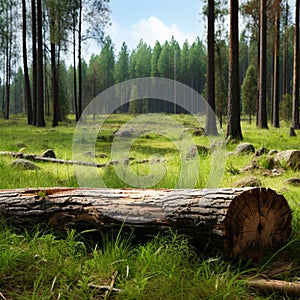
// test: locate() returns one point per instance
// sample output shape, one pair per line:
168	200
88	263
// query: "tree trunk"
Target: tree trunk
262	110
40	122
54	80
285	53
74	70
275	115
34	62
8	49
79	63
245	223
25	65
234	108
211	127
295	113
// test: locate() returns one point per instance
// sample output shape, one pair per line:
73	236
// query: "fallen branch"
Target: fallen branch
108	292
275	286
34	157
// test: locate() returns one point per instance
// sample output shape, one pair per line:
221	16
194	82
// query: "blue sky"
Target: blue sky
155	20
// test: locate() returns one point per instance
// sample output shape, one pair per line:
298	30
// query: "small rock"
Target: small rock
124	133
102	155
20	145
202	150
245	148
49	153
293	181
290	158
261	151
102	138
248	182
273	152
193	151
199	132
24	164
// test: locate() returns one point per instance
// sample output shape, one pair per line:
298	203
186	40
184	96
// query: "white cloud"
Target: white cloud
150	30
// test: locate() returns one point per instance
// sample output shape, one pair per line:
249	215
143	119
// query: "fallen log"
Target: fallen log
243	222
35	157
269	286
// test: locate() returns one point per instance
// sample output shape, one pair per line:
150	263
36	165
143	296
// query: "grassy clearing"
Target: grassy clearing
43	265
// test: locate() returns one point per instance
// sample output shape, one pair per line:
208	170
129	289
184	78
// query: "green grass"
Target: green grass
39	265
45	265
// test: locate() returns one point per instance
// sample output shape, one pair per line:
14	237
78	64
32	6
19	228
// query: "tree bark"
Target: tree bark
285	52
262	109
275	115
269	286
34	62
40	122
25	65
54	80
245	223
234	107
295	112
79	62
74	63
211	127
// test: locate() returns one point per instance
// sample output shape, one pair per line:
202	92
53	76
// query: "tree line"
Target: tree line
254	72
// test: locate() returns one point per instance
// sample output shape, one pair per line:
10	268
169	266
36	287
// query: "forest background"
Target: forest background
255	69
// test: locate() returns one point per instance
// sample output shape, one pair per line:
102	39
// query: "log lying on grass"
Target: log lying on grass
269	286
35	157
243	222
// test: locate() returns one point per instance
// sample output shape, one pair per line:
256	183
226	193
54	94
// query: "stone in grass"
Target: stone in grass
273	152
20	145
293	181
289	158
23	164
244	148
247	182
203	150
49	153
261	151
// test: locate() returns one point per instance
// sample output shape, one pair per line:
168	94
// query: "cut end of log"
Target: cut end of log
258	221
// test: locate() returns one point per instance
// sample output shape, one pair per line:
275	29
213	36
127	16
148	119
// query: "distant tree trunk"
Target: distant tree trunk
221	86
8	55
79	63
295	113
54	86
7	78
285	54
34	63
275	115
234	111
25	65
258	76
74	63
210	127
262	111
40	84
